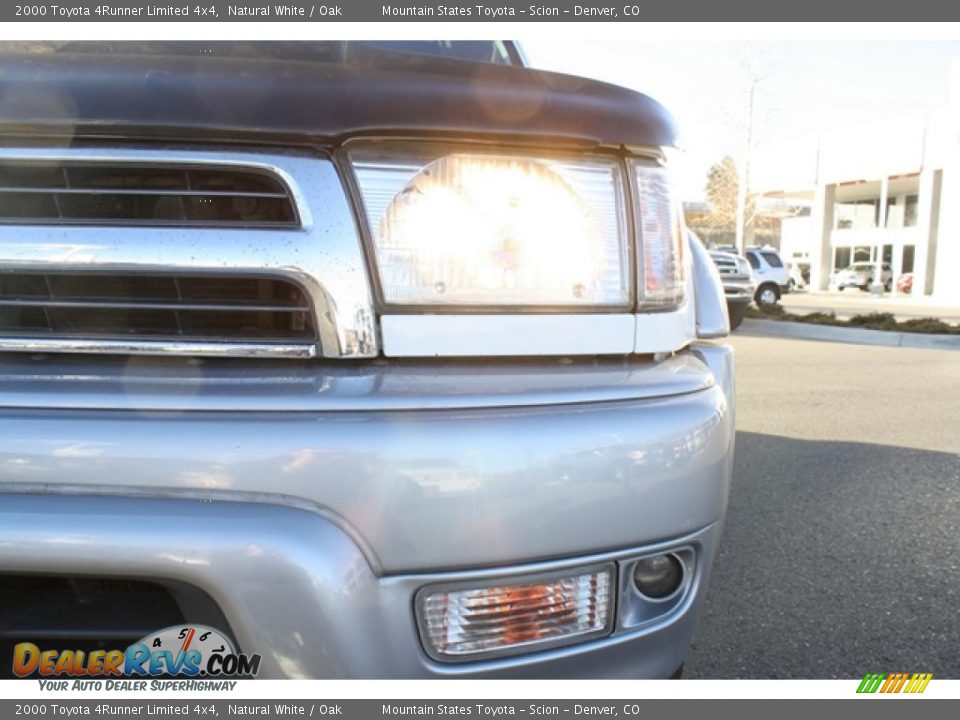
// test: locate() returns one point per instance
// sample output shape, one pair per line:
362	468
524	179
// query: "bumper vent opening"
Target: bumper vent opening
125	194
154	307
88	613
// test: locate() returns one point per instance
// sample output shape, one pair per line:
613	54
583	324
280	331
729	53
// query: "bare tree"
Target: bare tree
743	184
748	125
730	208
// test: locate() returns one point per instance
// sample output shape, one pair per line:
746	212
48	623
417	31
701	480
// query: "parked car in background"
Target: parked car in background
770	274
329	347
905	283
738	286
860	275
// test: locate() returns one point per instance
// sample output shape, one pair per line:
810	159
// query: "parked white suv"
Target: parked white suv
770	273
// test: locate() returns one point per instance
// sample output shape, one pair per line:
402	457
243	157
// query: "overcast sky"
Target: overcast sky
805	87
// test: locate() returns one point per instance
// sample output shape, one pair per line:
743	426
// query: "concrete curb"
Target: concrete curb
856	336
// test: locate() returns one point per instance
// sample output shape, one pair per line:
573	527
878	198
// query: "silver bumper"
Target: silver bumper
738	290
313	530
296	589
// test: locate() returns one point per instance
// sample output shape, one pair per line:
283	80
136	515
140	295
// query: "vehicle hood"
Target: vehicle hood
95	90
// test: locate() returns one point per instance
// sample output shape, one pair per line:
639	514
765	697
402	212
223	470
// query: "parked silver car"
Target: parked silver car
860	275
338	353
738	285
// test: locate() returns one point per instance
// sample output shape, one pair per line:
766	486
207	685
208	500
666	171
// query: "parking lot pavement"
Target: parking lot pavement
841	552
856	302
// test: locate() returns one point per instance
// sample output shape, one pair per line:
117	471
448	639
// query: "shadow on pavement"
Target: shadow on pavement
837	559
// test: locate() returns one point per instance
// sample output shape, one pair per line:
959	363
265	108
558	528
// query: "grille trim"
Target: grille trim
295	351
322	254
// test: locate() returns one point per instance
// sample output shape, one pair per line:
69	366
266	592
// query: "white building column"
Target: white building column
928	226
876	287
821	225
947	244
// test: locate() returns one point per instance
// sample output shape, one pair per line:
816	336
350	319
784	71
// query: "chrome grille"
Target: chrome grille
726	265
101	193
211	309
180	250
729	266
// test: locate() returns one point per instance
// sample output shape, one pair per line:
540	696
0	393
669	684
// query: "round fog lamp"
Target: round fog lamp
658	576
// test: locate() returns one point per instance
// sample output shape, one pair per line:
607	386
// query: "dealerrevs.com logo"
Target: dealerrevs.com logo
191	651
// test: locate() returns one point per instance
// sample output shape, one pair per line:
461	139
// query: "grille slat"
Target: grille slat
96	193
155	307
114	305
146	193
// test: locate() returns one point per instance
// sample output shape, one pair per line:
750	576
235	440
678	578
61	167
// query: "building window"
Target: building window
906	264
856	214
910	211
894	213
863	253
841	258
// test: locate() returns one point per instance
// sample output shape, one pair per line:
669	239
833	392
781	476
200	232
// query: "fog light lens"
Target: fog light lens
658	576
469	623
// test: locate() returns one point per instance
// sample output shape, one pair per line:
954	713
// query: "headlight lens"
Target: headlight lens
660	229
459	229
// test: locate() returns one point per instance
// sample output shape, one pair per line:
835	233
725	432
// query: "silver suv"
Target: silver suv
379	365
738	285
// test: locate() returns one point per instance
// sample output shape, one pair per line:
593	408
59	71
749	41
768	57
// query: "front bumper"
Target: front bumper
738	291
296	589
313	530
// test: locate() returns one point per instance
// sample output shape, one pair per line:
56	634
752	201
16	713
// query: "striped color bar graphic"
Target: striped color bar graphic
894	682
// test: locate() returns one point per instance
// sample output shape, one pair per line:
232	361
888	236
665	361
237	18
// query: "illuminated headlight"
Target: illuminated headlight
472	622
453	228
662	268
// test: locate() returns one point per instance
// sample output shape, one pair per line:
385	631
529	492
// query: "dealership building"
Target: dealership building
888	189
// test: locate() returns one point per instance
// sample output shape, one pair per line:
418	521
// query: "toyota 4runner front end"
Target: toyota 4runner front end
383	365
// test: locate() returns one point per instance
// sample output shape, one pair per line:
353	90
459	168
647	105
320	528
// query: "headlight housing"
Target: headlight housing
662	268
460	227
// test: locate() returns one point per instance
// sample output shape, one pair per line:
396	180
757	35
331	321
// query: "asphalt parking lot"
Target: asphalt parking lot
841	552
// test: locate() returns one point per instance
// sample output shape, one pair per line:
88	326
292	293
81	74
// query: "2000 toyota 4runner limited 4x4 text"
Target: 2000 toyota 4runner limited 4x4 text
382	364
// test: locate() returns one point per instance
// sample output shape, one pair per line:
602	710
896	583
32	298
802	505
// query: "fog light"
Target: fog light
659	576
476	621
